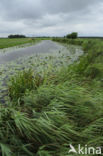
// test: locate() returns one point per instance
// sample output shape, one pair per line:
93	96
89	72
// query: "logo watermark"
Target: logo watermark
85	150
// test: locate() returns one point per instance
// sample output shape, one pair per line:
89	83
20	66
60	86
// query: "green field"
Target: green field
53	105
7	42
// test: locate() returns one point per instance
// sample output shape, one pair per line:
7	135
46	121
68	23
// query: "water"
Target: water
42	57
42	47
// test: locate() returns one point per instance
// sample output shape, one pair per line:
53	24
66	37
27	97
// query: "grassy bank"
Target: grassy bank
7	42
47	112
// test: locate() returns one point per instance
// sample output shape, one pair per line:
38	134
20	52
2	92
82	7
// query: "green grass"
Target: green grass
47	112
6	42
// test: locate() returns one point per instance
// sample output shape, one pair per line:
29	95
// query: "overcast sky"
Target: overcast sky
51	17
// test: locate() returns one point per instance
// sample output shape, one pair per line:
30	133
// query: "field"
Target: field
53	103
7	42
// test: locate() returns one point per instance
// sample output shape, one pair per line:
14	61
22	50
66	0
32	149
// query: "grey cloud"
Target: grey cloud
69	5
25	9
54	17
21	9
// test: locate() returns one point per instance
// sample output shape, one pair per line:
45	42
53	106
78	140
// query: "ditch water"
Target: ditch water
11	54
43	57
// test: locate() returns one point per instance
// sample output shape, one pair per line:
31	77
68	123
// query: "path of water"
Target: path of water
42	57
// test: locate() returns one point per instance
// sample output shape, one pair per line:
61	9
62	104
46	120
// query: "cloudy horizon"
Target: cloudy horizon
51	18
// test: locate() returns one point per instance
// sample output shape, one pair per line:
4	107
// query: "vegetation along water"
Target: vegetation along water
53	100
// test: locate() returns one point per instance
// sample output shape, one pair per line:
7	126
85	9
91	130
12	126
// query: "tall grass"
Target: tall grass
61	108
23	81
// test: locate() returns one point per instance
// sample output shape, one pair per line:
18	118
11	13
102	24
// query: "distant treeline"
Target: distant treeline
73	35
17	36
98	37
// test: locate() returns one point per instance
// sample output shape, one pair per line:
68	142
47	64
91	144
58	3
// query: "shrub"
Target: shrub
73	35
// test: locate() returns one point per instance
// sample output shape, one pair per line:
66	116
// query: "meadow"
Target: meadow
11	42
54	103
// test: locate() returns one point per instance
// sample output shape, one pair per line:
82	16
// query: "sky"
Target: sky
51	17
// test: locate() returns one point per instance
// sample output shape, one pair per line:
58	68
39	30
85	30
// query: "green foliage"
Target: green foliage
93	71
90	64
55	109
20	83
5	150
73	35
39	99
